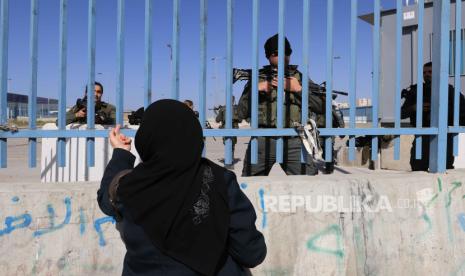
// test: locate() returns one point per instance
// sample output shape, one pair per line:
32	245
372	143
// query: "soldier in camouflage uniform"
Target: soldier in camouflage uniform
104	112
267	112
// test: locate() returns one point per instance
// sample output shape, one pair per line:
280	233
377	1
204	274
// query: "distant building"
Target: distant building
363	114
364	102
17	106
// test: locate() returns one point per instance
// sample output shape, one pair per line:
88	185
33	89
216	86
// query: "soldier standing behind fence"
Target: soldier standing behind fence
409	110
105	113
267	117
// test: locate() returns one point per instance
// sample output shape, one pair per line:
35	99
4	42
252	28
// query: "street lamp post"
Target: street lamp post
215	74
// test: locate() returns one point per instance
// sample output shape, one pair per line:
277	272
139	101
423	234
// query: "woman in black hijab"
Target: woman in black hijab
177	213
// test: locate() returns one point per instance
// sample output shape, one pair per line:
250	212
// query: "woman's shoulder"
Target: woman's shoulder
227	175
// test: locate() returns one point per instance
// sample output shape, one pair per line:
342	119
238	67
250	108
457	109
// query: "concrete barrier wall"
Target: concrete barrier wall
379	224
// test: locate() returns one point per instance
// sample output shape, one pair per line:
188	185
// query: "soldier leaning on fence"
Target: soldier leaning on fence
104	112
221	118
409	109
267	116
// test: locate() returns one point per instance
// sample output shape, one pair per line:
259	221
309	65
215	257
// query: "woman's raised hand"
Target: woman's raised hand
119	140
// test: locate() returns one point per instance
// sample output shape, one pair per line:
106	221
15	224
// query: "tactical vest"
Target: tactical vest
268	106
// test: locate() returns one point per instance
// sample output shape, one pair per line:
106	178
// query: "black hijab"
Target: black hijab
175	195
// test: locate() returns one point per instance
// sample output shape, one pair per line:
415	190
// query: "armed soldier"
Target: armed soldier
220	112
409	110
104	112
267	115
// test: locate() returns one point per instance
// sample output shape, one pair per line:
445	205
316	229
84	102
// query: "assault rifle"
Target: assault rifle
269	72
100	116
217	109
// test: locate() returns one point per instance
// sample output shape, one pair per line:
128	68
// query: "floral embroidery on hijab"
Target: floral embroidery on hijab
201	207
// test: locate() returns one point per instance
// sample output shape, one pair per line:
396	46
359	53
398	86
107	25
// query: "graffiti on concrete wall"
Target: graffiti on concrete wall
447	192
23	221
332	230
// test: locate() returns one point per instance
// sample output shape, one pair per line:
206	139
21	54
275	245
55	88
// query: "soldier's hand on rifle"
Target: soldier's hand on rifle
118	140
264	86
81	113
291	84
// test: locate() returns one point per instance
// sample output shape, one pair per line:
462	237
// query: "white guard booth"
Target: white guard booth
459	162
76	168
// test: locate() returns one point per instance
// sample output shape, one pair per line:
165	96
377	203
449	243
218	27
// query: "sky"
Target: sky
48	55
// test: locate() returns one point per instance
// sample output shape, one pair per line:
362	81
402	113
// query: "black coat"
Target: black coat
245	248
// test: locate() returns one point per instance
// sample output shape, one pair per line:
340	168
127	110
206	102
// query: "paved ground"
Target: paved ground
17	167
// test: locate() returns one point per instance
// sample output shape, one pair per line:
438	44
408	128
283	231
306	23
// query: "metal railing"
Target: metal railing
438	130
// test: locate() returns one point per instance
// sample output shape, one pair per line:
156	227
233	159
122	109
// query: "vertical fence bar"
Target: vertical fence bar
329	78
229	64
458	67
203	63
254	122
305	46
32	101
120	63
399	13
419	115
90	84
148	54
376	57
175	52
438	143
63	45
353	74
279	116
4	78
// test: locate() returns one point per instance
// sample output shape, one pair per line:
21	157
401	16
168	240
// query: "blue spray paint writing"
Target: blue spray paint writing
461	218
98	228
82	221
261	193
51	213
13	223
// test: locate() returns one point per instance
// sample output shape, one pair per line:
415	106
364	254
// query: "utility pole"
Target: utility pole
215	76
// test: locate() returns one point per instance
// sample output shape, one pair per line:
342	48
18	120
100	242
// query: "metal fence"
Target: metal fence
438	131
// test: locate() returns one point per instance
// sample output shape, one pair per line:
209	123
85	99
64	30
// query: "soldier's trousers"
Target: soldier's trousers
329	166
267	157
423	163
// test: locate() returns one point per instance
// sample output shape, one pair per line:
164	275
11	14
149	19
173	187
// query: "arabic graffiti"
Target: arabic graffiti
98	228
12	223
51	212
22	221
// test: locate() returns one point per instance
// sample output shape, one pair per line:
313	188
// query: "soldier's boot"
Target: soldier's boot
329	167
